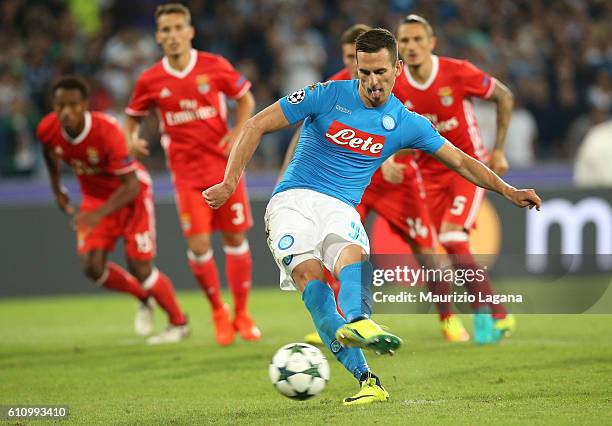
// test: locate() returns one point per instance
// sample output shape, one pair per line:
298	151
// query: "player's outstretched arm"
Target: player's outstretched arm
52	162
479	174
269	120
125	194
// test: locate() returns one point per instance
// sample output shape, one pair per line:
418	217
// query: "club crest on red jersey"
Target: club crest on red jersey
202	82
92	155
446	96
355	140
186	221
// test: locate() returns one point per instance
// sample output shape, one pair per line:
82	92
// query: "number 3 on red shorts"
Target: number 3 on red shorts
238	209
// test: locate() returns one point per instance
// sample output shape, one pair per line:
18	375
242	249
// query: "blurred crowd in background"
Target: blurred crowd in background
556	55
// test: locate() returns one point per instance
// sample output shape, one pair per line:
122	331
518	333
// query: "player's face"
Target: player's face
174	34
349	57
70	108
377	73
414	43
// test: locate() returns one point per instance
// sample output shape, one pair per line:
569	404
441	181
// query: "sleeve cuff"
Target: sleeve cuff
489	92
125	170
245	88
136	113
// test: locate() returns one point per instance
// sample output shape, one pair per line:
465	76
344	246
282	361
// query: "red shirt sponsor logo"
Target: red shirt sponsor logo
355	140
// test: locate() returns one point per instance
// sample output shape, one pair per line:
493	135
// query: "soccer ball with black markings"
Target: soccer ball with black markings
299	371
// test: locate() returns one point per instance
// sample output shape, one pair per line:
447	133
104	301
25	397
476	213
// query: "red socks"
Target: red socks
440	289
462	258
116	278
205	270
238	265
157	285
160	287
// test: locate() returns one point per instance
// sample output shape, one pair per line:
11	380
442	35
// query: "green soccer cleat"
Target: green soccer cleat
371	391
367	334
506	326
484	329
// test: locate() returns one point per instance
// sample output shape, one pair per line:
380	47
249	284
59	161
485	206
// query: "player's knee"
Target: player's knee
352	253
93	269
199	245
307	271
141	270
233	239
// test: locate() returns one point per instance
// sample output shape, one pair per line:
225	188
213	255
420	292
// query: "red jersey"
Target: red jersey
192	112
445	99
98	155
343	74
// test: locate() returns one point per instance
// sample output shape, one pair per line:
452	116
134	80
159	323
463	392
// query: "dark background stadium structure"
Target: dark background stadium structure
556	55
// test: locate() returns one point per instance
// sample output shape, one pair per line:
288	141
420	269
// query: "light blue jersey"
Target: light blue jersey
343	142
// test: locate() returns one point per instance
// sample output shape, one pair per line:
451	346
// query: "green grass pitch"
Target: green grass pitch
81	352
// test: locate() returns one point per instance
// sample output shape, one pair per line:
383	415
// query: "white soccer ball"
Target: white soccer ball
299	371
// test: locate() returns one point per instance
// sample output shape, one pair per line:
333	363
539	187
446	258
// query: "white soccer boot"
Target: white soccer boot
171	334
143	322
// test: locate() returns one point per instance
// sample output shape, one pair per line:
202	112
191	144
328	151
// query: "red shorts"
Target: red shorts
198	218
452	199
402	205
134	222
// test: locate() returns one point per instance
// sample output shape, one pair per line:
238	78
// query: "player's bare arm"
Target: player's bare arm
137	146
504	100
125	194
53	164
479	174
269	120
245	106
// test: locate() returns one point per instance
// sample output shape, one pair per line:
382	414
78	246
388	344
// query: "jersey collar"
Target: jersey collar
82	135
435	66
193	56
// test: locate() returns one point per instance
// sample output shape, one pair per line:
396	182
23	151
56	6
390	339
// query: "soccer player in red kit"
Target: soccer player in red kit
396	194
117	202
441	88
189	89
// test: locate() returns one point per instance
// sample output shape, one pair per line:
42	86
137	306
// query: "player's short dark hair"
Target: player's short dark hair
350	35
168	8
417	19
376	39
71	82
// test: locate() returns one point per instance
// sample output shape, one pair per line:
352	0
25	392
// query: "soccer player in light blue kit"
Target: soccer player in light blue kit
350	128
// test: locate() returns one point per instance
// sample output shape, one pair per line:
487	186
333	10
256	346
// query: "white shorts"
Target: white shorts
303	224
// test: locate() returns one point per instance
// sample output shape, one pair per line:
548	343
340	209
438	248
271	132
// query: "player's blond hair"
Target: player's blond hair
168	8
